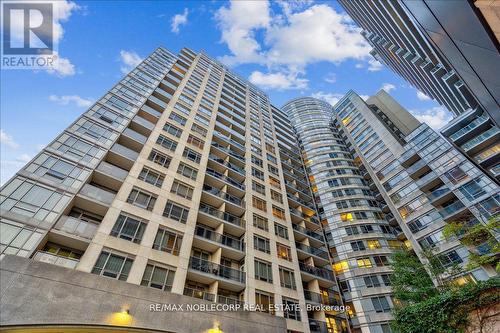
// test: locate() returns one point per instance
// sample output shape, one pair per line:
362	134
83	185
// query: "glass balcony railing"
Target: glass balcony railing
200	294
310	233
229	300
134	135
316	271
228	151
97	193
55	259
225	138
158	102
451	209
480	138
320	298
227	164
143	122
214	269
76	227
317	326
225	178
225	216
151	111
478	121
223	195
125	152
112	170
318	252
415	167
438	193
225	240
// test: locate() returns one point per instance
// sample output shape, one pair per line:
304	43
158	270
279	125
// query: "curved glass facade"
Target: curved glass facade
360	239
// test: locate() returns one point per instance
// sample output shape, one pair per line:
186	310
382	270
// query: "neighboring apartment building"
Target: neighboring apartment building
450	60
182	178
423	178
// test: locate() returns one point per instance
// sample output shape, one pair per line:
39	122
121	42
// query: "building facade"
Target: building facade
182	178
449	62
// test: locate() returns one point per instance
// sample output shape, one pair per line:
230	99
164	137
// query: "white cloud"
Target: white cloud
7	140
178	20
24	158
291	40
374	65
388	87
364	97
62	67
278	80
359	65
331	98
331	78
423	97
67	99
130	59
435	117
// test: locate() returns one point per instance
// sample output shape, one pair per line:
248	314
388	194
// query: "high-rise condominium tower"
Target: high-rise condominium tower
453	59
184	185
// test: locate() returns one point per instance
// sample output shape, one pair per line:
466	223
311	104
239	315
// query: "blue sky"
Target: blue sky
289	49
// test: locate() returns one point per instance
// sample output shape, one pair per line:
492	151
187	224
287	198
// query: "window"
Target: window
166	143
265	301
182	190
364	262
158	277
284	252
187	171
386	279
280	230
273	169
258	187
351	231
374	244
159	158
140	198
371	281
191	155
199	129
380	304
263	271
278	212
198	143
259	203
167	241
291	309
274	182
176	212
381	261
177	118
113	265
287	278
257	174
276	196
18	239
358	246
271	158
260	222
394	244
257	161
261	244
270	148
341	266
129	227
171	129
151	177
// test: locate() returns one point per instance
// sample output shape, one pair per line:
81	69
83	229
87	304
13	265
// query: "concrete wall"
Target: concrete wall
34	293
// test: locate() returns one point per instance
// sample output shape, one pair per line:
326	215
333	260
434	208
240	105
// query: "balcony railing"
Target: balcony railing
316	326
478	139
425	179
438	193
227	217
76	227
225	138
124	151
134	135
305	231
228	151
55	259
451	209
227	164
316	271
97	193
226	240
414	167
469	127
201	294
225	178
212	268
312	250
223	195
112	170
229	300
319	298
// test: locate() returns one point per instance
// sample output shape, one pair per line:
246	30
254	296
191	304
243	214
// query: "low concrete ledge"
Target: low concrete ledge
36	293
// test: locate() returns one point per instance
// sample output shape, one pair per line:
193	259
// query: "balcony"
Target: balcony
216	197
438	195
227	164
228	140
314	251
428	181
200	294
229	300
417	168
149	113
408	157
97	194
51	258
132	139
317	326
451	210
223	178
213	216
481	141
320	298
156	103
77	227
317	272
164	96
234	248
317	235
215	270
142	125
228	151
469	129
111	175
122	156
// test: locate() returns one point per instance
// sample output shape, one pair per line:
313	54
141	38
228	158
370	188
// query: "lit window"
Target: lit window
373	244
341	266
